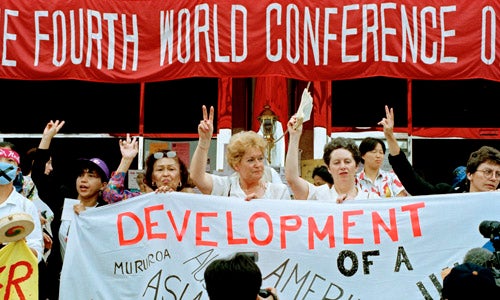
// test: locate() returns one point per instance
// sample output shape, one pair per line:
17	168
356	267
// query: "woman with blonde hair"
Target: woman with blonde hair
245	155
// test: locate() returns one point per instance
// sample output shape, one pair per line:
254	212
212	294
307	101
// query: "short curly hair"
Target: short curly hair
242	141
341	143
483	154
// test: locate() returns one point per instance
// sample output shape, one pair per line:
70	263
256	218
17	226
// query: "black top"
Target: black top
414	183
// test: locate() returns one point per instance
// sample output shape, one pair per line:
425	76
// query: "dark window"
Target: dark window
87	107
175	106
436	159
360	102
458	103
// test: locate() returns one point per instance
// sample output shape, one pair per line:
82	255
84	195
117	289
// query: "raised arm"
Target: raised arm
388	124
129	149
115	189
51	129
413	183
49	189
201	179
46	186
298	185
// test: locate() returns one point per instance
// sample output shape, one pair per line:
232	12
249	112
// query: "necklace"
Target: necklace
260	188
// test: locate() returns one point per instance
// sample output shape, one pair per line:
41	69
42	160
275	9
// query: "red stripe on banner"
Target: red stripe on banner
158	40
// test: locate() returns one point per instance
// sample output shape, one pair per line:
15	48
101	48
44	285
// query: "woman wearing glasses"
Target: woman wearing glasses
165	172
482	170
245	155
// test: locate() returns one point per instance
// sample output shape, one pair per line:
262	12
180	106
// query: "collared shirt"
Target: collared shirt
386	185
230	186
17	203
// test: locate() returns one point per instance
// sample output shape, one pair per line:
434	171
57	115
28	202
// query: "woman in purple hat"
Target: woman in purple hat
92	176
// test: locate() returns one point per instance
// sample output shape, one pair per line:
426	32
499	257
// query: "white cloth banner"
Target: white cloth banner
157	246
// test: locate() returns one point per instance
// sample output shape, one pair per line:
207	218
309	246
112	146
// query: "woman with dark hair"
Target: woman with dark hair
482	170
372	178
165	172
179	181
320	176
341	157
90	177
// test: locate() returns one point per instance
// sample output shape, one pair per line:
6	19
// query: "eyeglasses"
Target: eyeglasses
488	173
162	154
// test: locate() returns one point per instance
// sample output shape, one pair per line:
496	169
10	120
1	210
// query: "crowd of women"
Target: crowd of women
165	172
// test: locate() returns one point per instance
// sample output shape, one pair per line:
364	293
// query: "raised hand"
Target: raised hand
294	126
388	121
388	124
52	128
129	147
206	126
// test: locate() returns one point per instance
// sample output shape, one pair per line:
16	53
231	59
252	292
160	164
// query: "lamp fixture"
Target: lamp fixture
267	119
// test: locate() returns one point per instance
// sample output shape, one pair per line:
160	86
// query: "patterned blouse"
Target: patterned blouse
115	190
386	184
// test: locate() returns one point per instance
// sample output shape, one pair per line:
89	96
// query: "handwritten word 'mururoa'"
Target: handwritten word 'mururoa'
141	265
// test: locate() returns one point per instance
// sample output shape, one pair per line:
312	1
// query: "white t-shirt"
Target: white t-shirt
17	203
230	186
325	193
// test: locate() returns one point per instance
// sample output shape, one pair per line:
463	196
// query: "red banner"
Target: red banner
156	40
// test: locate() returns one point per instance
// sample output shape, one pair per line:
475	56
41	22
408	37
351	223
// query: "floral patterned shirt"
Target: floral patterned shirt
115	190
386	185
